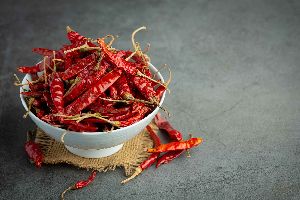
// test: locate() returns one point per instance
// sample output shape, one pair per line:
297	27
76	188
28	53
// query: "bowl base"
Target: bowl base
94	153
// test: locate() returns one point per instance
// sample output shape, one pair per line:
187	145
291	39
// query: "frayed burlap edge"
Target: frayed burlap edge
129	157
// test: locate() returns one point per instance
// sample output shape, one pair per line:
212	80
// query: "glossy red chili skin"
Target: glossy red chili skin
160	91
168	157
82	128
94	120
151	159
172	146
93	93
40	113
50	119
48	99
78	67
57	93
75	37
113	92
32	94
120	62
34	153
145	87
43	51
135	118
163	124
85	83
135	109
124	90
37	86
108	109
153	135
81	184
30	69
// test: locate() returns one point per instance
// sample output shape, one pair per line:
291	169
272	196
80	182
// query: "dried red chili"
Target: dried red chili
80	184
163	124
174	134
32	94
151	159
57	93
43	51
34	152
74	36
78	67
168	157
172	146
93	93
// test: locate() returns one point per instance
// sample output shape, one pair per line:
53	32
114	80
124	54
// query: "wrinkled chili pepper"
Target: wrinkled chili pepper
135	118
30	69
32	94
145	87
34	152
113	93
124	89
93	93
57	93
135	108
168	157
37	86
160	91
74	36
163	124
85	83
78	67
43	51
172	146
80	184
151	159
49	102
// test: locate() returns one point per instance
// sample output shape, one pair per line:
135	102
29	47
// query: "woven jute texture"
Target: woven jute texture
129	157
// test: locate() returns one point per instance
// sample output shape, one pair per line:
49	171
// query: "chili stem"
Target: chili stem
45	71
64	192
138	170
30	102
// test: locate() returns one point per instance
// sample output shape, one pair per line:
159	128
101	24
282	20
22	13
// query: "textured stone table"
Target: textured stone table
236	84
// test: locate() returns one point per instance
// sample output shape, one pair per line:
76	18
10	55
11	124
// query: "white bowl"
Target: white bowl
93	144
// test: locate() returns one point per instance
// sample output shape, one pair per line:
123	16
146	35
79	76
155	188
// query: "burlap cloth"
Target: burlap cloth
129	157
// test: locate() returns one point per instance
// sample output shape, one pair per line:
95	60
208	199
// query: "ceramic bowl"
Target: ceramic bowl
93	144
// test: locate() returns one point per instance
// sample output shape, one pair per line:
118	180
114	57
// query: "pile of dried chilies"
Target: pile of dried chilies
172	149
89	86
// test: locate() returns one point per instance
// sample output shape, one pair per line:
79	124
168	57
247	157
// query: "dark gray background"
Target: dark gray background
236	84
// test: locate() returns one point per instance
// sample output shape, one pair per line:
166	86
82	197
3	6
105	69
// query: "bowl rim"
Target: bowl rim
94	133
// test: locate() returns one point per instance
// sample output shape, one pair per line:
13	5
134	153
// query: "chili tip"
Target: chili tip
69	29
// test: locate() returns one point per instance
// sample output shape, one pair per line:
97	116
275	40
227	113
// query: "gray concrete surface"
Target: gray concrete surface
236	84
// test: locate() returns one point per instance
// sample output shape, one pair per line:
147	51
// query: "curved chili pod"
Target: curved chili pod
34	153
93	93
57	93
43	51
172	146
168	157
78	67
74	36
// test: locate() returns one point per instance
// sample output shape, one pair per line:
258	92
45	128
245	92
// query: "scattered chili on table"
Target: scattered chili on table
34	151
151	159
172	146
80	184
